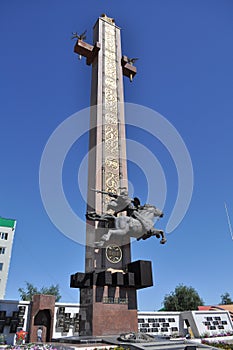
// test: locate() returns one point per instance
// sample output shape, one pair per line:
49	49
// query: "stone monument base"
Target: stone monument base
135	341
108	300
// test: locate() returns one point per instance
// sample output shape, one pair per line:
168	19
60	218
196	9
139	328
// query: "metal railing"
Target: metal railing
111	300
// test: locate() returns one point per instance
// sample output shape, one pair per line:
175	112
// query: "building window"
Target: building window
145	325
4	235
2	250
165	324
156	324
141	320
212	328
155	330
143	330
164	329
1	266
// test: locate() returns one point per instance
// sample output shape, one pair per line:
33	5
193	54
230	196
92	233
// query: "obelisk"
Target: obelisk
108	302
107	148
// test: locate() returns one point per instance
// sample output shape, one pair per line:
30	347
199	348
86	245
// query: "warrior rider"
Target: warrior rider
118	204
121	202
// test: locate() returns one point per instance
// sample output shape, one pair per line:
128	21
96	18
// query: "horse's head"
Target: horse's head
158	212
151	208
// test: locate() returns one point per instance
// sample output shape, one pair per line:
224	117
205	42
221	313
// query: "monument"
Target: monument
108	300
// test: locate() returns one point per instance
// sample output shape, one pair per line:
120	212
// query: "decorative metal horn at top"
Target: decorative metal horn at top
79	37
132	60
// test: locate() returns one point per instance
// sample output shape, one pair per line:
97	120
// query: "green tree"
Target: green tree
30	290
226	299
182	299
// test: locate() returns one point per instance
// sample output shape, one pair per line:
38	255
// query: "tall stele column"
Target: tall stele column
107	157
108	303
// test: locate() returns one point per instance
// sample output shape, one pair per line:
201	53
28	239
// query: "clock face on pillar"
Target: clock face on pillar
113	253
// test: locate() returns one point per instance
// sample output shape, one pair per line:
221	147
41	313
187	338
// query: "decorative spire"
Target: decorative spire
108	19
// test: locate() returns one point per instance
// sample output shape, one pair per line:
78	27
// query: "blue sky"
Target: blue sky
185	73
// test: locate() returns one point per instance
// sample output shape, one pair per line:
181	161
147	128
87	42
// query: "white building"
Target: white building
7	230
15	315
195	323
206	323
159	322
66	320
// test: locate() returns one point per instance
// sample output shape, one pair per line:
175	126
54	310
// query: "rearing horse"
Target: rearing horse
139	225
